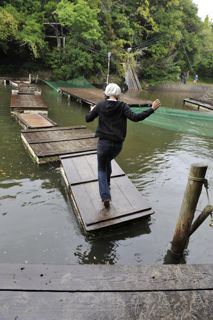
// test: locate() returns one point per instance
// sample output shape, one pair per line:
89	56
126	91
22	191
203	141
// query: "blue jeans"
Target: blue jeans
106	151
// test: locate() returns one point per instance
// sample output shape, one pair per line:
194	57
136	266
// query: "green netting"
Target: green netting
74	83
191	122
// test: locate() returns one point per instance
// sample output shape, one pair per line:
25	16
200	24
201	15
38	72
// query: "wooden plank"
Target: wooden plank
114	305
127	203
91	96
55	129
24	102
83	168
36	137
105	278
80	175
28	120
56	134
199	103
64	147
49	152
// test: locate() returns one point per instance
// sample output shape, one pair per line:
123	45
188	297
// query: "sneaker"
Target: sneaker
106	203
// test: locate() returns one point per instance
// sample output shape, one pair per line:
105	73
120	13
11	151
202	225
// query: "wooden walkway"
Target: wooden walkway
27	103
34	120
94	292
46	145
199	103
90	96
80	174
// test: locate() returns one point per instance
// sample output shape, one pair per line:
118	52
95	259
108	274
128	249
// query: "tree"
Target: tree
9	24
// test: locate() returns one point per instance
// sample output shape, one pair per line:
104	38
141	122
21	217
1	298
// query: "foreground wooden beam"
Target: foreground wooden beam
88	292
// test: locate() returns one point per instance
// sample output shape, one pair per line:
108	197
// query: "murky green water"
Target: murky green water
37	224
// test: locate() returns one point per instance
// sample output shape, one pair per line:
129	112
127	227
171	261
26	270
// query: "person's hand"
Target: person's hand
156	104
92	107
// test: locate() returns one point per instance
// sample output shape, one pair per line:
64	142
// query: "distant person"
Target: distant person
111	131
185	75
195	78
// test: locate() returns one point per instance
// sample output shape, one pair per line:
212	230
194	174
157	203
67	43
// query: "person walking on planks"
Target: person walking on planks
111	131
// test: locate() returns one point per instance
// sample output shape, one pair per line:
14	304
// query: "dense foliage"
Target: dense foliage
72	38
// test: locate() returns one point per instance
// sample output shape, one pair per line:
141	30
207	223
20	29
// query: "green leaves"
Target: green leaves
32	35
8	25
165	36
81	20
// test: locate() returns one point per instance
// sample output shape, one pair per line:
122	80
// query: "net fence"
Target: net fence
191	122
74	83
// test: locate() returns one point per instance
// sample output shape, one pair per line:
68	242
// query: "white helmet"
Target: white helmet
112	89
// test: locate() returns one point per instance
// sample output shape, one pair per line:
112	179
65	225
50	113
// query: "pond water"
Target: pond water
37	224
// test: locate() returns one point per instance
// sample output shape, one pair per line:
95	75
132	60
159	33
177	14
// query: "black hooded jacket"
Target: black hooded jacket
113	117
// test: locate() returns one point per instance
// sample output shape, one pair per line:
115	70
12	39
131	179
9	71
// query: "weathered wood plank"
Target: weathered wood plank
50	136
127	203
80	175
105	278
50	152
107	306
64	147
56	129
91	96
22	103
35	120
83	168
200	103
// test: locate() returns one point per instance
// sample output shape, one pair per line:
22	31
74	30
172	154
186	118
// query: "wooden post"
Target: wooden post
204	214
188	207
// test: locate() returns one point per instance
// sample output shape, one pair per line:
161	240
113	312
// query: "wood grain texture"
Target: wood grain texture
106	306
47	145
83	168
108	292
59	134
126	200
27	102
105	278
92	95
80	175
34	120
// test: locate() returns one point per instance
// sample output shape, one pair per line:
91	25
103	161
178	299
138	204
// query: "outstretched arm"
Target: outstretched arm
92	114
142	115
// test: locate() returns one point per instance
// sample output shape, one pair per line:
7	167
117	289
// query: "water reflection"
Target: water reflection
171	258
104	244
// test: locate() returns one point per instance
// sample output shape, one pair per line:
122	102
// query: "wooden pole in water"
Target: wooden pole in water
204	214
188	207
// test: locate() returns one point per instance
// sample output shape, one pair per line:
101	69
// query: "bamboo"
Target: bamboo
188	207
204	214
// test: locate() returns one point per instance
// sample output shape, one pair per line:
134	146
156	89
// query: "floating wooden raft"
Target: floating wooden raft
91	96
46	145
22	87
27	103
80	174
34	120
199	103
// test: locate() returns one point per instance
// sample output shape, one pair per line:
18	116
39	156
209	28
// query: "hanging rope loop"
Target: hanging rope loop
205	183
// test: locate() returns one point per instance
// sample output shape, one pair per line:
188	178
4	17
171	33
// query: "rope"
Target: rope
206	185
205	182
